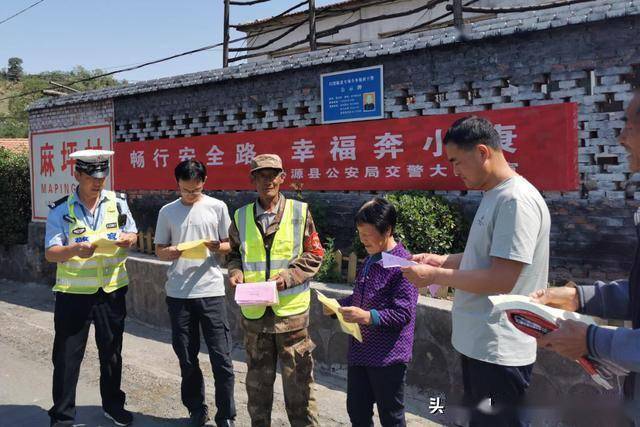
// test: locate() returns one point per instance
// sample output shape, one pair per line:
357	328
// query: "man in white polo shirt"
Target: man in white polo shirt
507	252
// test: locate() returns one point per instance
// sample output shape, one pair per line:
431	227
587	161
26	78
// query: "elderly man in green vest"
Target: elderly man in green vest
86	236
274	238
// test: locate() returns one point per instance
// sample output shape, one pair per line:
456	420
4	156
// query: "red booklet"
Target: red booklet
536	320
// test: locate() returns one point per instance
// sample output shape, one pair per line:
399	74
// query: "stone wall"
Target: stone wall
26	262
435	369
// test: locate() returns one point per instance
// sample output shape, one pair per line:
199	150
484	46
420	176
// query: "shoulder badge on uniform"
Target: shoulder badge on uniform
58	202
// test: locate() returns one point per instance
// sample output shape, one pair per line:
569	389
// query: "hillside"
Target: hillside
13	118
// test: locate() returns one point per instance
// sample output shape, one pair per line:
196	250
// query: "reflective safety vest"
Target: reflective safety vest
259	263
87	275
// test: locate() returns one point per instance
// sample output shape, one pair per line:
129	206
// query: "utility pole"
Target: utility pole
312	25
457	15
225	40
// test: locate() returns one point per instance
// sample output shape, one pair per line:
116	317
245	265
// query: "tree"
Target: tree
14	69
14	117
13	128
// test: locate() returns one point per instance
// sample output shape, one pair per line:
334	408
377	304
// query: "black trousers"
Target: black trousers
505	385
210	314
383	386
72	317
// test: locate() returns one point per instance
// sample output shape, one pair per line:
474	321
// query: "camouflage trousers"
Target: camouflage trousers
296	362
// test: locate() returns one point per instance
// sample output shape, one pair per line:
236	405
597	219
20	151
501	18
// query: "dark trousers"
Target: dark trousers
505	385
72	317
210	314
383	386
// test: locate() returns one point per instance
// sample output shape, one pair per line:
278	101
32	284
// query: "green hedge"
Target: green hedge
426	223
15	198
327	272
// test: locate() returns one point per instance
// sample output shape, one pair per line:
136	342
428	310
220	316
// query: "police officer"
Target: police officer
90	286
274	238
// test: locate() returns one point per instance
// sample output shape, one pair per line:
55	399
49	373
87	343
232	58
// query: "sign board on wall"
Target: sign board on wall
51	166
352	95
540	142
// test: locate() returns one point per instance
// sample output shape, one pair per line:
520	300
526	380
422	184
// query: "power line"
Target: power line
425	24
21	12
280	15
324	12
137	66
278	37
336	29
110	73
542	6
247	3
113	67
326	33
272	40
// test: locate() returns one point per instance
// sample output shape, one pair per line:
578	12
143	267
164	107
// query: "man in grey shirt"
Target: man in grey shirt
507	252
195	291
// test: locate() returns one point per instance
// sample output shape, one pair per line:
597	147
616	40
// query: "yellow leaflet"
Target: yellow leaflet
347	327
194	249
104	247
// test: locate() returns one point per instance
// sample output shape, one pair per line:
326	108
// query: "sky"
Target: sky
113	34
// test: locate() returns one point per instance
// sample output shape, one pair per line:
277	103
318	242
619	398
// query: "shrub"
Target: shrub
327	272
15	197
425	223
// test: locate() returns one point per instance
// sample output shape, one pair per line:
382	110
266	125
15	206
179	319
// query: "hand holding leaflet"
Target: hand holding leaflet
333	305
194	249
104	247
390	261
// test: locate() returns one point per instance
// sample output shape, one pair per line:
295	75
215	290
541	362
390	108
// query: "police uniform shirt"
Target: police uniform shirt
57	231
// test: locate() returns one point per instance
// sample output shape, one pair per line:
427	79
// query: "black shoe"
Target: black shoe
120	417
199	417
225	423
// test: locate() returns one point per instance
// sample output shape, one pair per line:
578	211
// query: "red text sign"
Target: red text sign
396	154
51	166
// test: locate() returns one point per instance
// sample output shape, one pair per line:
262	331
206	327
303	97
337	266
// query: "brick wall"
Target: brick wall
67	116
594	64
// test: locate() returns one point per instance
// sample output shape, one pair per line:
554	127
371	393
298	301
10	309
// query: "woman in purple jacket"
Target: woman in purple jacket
384	304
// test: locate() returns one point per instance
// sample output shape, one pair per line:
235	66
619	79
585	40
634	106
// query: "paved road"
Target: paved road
150	378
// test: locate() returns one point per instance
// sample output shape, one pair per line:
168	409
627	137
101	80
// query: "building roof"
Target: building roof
503	25
17	145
